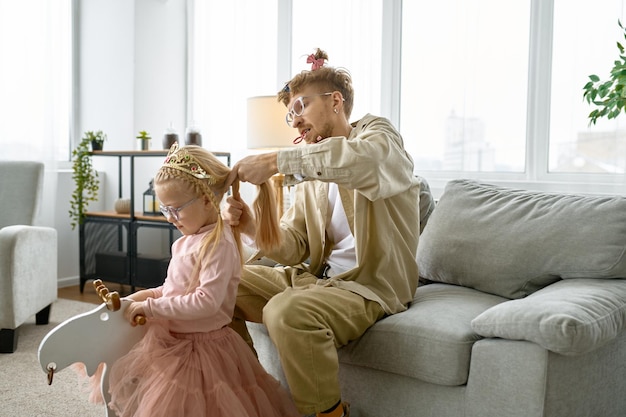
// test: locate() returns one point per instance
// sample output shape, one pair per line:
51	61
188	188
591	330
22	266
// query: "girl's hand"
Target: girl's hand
237	213
133	310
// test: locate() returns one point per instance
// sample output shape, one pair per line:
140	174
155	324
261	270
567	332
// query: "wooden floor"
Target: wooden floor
89	294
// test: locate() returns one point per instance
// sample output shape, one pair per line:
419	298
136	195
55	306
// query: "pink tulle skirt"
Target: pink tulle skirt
211	374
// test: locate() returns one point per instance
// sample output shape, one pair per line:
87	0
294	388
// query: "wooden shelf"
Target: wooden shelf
138	215
131	153
157	152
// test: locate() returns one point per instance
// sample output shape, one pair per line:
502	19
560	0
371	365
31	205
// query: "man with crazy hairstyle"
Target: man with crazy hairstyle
348	242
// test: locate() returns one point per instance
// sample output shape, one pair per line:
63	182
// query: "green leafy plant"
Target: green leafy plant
85	179
143	135
610	95
96	139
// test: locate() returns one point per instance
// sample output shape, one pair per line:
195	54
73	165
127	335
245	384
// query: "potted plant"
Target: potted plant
609	95
96	139
85	179
145	140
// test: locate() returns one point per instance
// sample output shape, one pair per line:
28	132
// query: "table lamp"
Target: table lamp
267	129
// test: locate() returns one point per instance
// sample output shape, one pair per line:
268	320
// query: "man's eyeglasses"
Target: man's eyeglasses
171	211
298	107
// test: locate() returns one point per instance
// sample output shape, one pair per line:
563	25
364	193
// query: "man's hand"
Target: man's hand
256	169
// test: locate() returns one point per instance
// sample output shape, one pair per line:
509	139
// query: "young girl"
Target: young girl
190	362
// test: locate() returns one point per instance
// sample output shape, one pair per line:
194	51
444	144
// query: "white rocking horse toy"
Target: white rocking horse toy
99	336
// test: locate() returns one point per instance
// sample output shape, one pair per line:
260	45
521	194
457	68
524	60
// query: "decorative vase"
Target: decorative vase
122	205
170	136
193	136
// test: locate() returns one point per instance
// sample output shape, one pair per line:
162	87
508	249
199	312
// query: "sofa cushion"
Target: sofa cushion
570	317
431	341
513	242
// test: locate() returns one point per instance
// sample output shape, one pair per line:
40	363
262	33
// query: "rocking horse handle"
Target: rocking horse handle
112	300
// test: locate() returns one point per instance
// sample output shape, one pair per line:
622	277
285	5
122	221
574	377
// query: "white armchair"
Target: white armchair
28	253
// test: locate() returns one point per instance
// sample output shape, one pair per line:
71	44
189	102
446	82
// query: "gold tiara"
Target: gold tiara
180	159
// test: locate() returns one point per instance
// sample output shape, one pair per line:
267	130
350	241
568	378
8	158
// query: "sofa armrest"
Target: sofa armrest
28	272
570	317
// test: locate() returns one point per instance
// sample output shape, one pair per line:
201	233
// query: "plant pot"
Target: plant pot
145	145
96	146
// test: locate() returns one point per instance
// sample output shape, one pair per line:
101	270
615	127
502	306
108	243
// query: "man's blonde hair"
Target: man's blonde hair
325	78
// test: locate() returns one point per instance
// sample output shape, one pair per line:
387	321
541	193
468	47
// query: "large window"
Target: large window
35	79
584	43
464	84
353	43
487	89
234	56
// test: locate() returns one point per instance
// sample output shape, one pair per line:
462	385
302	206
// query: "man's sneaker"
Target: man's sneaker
342	410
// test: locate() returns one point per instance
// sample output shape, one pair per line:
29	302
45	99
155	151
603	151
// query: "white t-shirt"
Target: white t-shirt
343	256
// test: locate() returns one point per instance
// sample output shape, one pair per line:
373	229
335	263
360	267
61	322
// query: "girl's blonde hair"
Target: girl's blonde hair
204	175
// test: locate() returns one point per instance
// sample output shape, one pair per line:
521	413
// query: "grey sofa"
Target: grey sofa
521	313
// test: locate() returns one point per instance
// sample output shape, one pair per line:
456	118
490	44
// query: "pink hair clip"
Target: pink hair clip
315	63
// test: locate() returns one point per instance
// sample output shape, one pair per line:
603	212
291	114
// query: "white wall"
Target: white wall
132	76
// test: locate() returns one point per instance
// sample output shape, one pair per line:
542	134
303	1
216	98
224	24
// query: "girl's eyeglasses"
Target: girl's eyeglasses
172	211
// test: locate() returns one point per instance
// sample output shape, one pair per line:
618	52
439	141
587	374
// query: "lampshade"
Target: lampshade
267	128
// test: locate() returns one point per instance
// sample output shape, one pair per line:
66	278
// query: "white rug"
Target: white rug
24	389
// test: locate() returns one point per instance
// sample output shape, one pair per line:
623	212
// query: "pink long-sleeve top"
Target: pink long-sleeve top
210	306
